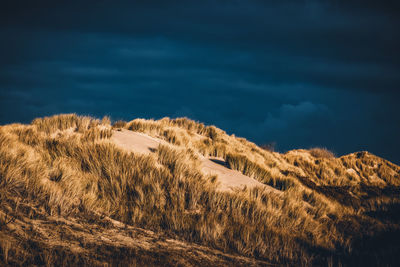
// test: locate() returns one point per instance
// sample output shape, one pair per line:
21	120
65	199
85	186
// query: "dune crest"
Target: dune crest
72	193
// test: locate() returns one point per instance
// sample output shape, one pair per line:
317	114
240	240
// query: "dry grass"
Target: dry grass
67	166
318	152
119	124
249	168
269	146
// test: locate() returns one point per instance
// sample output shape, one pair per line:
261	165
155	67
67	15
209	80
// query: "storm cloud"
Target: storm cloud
298	73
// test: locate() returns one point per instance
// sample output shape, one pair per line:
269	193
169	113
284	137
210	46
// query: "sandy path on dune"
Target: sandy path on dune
135	141
227	178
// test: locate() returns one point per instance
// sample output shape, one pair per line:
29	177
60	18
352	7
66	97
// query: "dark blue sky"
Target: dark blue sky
299	73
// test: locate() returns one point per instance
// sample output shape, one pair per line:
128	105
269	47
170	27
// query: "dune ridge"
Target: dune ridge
228	200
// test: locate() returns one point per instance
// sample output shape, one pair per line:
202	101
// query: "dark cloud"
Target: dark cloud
301	73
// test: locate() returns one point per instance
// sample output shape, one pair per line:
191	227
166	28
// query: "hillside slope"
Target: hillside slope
76	190
228	179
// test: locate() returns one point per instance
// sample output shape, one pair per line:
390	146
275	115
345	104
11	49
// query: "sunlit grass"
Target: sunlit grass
67	165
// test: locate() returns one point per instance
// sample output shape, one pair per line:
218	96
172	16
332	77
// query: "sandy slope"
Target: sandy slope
227	178
136	142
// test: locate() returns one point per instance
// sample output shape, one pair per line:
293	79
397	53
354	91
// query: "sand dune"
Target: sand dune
72	193
228	179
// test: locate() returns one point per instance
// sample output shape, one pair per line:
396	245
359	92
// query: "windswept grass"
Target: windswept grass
67	121
249	168
119	124
318	152
66	166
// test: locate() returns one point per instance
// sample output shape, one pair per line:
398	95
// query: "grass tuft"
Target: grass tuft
318	152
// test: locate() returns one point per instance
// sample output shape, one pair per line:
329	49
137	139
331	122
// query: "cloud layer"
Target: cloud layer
300	73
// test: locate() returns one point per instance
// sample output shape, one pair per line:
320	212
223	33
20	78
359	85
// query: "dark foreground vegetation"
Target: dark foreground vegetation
70	196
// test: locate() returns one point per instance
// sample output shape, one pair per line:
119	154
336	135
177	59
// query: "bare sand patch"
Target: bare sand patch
135	141
228	179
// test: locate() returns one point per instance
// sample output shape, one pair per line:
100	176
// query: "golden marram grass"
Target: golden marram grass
70	195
